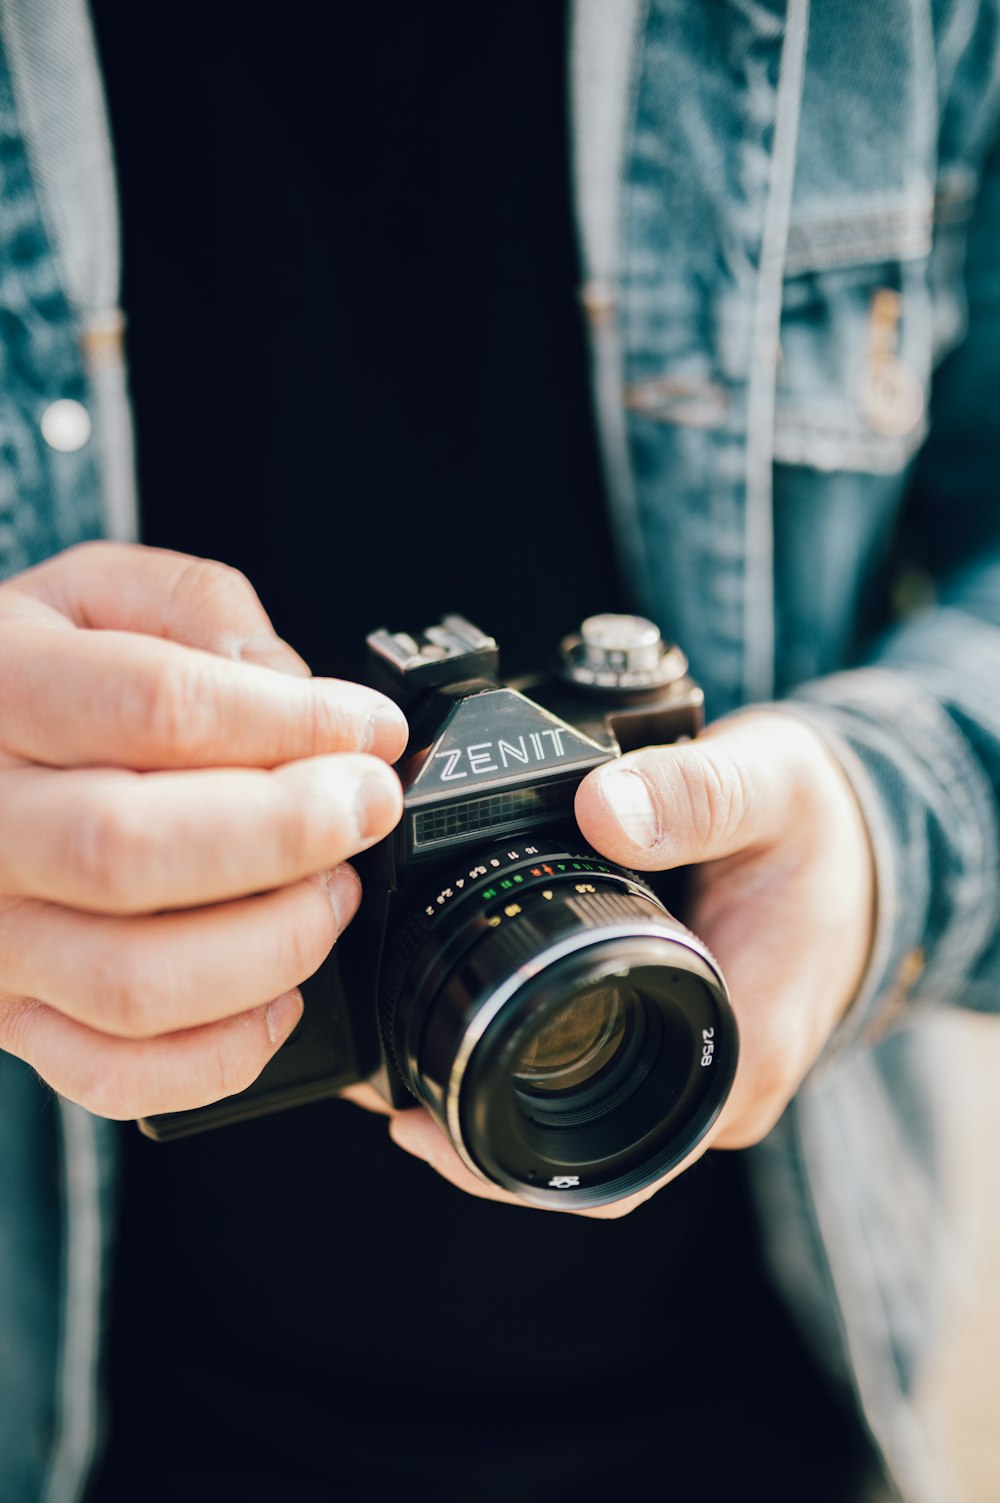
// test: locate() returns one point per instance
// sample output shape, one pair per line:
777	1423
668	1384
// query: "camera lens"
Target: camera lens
573	1039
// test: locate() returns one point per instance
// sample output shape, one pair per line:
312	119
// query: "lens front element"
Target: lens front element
576	1044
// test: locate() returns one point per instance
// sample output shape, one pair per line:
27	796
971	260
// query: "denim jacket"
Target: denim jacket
788	211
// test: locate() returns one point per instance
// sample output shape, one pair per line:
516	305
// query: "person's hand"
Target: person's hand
173	818
783	895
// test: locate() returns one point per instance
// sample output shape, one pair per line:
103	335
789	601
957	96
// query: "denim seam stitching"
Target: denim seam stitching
76	1399
758	578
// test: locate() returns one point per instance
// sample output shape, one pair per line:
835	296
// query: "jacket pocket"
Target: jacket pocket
872	302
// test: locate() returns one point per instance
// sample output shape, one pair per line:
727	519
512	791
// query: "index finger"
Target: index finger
128	587
72	698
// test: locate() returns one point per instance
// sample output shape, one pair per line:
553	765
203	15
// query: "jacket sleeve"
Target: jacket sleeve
918	726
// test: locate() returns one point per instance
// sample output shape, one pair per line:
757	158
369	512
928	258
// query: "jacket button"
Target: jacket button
66	425
893	397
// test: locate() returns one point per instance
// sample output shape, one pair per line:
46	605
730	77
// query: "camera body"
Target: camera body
487	858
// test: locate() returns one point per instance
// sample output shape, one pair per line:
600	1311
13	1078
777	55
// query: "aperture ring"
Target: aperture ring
510	870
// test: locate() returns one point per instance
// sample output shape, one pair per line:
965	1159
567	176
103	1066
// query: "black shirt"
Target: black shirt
359	375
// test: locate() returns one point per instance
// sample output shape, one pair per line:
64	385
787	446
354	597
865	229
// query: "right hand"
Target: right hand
173	818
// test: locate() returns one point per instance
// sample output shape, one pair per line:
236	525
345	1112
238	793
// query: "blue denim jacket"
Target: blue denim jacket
788	215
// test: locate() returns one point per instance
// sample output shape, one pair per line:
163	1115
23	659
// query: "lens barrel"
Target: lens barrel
571	1037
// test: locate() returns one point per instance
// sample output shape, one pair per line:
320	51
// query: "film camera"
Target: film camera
572	1038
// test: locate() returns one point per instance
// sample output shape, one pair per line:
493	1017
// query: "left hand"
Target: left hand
783	895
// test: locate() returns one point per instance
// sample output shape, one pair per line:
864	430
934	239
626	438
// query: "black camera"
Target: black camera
572	1039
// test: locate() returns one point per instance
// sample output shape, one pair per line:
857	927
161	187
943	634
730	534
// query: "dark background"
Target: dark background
357	352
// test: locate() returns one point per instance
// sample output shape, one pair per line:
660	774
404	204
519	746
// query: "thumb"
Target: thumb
737	787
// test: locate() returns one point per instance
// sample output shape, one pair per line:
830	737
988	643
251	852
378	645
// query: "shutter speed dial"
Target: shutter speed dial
620	653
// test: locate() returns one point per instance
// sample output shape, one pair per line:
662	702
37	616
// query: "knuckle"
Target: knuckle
108	1089
329	722
179	709
129	996
17	1016
205	584
229	1070
109	856
714	797
308	939
297	826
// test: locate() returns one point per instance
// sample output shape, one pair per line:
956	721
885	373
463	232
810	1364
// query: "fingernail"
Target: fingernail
343	888
386	729
376	801
630	801
281	1016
